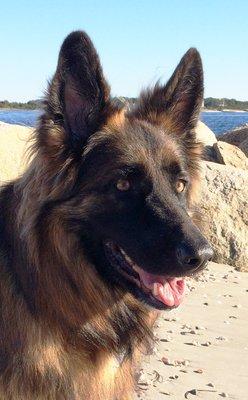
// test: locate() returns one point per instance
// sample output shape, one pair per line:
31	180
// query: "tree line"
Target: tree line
210	103
30	105
222	104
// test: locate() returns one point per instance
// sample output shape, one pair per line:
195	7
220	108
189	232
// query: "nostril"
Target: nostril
191	257
192	262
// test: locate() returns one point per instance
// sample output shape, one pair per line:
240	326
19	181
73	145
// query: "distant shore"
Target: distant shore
203	110
227	110
224	110
18	109
210	104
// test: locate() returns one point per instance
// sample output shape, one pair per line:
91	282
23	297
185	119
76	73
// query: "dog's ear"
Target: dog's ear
78	99
177	104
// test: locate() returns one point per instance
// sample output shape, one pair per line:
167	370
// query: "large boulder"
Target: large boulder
224	206
230	148
238	137
205	135
13	143
229	154
208	139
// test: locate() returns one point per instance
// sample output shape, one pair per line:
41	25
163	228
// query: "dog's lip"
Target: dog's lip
163	289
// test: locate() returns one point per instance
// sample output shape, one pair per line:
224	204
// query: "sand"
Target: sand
208	337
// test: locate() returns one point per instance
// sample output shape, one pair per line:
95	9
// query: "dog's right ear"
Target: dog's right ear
78	98
176	105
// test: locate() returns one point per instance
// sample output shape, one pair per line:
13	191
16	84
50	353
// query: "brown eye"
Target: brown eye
180	185
123	185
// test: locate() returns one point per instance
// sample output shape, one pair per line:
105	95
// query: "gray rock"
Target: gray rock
229	154
244	146
208	139
238	137
224	206
204	134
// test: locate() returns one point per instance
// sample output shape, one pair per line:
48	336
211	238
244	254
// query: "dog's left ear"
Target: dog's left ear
177	104
78	99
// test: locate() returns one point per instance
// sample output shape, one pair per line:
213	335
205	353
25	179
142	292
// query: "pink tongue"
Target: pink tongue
169	291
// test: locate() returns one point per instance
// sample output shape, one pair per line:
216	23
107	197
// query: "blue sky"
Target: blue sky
138	42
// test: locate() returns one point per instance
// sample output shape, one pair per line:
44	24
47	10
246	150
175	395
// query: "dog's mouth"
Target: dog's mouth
158	291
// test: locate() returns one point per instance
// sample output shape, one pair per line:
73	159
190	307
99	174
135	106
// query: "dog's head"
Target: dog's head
126	179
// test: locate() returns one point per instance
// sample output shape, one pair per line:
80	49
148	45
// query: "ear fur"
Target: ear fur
177	104
78	96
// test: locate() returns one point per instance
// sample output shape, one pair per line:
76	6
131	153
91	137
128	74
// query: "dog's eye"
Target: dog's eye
181	185
123	185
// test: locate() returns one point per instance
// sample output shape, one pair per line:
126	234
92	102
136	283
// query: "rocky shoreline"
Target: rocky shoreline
224	199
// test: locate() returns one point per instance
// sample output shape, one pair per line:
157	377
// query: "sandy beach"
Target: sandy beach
201	347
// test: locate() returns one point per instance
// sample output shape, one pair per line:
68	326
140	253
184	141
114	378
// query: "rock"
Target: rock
199	371
174	377
207	138
200	328
206	344
205	135
221	338
244	146
193	392
229	154
13	143
224	207
167	361
218	152
165	393
237	137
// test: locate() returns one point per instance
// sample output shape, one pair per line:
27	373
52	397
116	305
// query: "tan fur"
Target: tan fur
116	120
66	333
47	351
57	363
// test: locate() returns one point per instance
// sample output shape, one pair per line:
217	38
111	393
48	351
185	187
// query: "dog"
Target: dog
99	232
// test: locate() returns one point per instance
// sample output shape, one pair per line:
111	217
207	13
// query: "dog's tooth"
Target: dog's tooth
155	289
136	268
128	259
122	252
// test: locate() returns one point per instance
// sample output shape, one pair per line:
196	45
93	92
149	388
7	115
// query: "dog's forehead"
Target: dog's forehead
144	143
127	142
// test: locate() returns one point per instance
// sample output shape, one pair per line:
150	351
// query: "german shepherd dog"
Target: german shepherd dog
98	232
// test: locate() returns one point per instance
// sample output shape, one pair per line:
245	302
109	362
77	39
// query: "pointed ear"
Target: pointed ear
177	104
78	97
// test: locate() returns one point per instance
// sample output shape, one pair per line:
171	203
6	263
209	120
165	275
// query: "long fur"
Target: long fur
64	332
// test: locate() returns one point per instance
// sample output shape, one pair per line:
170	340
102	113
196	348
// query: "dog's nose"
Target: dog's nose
194	257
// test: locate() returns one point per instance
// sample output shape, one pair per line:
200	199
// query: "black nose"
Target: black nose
192	257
